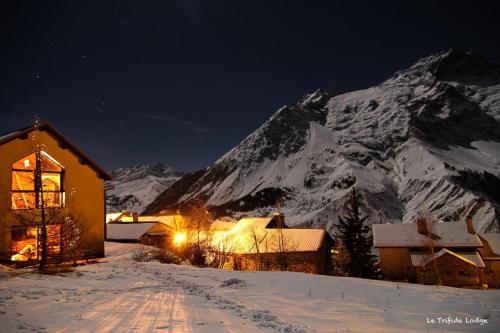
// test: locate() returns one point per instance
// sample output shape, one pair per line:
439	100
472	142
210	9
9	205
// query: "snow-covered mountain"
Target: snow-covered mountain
427	140
136	187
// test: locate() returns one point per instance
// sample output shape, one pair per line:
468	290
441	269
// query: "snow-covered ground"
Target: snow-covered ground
120	295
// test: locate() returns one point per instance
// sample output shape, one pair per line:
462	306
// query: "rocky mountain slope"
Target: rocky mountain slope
135	187
426	141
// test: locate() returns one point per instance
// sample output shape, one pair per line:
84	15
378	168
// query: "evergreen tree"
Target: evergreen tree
357	240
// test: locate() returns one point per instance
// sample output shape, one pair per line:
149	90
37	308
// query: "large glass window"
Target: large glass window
33	175
25	242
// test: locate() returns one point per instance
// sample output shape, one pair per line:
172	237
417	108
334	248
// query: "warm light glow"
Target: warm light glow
26	253
179	238
26	163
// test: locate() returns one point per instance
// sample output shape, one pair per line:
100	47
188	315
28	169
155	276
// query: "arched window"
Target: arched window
37	180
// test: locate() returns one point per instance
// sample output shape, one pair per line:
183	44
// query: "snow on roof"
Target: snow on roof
493	241
406	235
294	240
8	135
127	231
247	223
173	221
220	225
301	239
111	217
472	258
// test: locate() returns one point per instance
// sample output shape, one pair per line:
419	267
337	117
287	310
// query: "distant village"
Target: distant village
53	211
444	253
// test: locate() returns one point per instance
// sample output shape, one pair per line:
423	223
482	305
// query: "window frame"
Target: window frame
37	227
38	183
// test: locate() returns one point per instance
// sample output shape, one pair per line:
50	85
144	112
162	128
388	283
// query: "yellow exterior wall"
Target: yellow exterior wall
492	272
87	202
396	263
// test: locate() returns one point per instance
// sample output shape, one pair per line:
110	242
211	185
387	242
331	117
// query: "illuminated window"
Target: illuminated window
24	240
24	243
37	180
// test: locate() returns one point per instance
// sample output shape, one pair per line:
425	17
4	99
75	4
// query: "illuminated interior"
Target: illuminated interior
31	176
25	242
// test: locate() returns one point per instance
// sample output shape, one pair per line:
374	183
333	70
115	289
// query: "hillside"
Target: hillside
425	140
135	187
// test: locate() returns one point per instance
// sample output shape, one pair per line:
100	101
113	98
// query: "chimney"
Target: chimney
279	219
470	225
422	226
135	217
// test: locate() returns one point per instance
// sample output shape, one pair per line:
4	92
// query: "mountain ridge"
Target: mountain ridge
417	143
134	187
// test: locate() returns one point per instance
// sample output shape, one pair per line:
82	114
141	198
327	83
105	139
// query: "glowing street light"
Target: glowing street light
179	238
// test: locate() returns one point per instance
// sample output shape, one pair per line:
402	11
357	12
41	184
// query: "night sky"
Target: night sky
183	81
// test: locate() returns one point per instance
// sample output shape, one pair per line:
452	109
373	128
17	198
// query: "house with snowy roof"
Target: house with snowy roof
450	253
41	168
267	243
490	253
154	230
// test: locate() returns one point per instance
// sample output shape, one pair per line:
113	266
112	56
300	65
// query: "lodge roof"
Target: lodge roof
242	237
472	258
127	231
450	234
493	241
173	221
220	225
65	142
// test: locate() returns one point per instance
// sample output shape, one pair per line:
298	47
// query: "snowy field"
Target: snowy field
120	295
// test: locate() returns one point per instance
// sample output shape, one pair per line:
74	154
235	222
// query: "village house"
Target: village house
450	253
147	233
490	253
154	230
268	244
39	160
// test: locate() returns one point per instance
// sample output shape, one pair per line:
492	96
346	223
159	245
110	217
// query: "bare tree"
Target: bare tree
43	207
282	241
62	232
199	234
258	238
221	250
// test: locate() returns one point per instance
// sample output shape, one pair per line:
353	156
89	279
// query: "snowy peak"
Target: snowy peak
455	65
142	170
135	187
427	140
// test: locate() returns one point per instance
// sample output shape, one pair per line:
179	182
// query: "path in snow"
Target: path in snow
120	295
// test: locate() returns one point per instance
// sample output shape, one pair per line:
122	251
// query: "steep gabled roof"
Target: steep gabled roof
472	258
493	241
247	223
451	234
65	142
241	238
